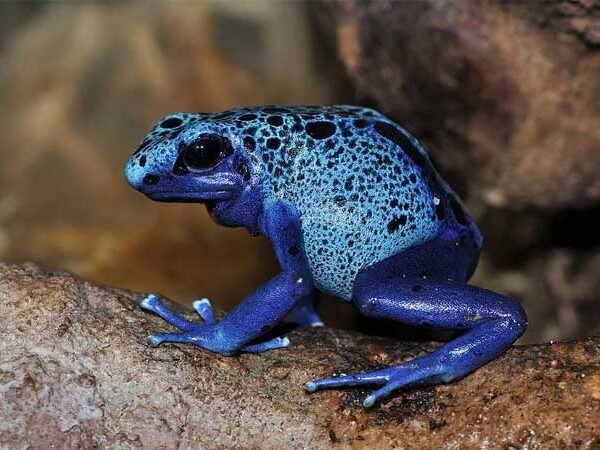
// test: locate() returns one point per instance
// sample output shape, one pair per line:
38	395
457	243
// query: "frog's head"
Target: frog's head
188	158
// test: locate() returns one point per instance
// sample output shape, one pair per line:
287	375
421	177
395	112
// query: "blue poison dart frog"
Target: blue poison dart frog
353	208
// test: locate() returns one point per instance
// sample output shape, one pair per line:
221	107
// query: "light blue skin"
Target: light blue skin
353	208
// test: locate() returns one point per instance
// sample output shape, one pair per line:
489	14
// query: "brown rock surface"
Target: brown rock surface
505	94
75	372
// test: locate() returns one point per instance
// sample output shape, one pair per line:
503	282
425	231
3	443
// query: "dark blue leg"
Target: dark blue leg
258	312
305	312
492	323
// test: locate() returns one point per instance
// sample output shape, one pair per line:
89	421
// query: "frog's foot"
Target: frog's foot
271	344
304	313
153	304
200	334
422	370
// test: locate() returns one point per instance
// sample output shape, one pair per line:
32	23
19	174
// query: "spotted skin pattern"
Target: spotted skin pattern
353	207
360	195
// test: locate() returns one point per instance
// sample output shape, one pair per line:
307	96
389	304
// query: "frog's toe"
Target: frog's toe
204	310
359	379
154	340
150	303
272	344
153	304
305	313
402	379
190	337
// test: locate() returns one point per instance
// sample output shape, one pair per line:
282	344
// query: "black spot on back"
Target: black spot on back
143	161
457	209
320	130
171	122
360	123
339	200
247	117
401	140
273	143
249	143
276	121
396	223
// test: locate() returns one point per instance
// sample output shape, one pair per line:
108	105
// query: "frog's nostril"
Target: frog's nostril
151	179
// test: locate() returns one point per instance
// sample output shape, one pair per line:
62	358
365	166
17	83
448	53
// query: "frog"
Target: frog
354	208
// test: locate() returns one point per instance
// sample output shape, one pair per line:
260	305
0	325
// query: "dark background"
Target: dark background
505	95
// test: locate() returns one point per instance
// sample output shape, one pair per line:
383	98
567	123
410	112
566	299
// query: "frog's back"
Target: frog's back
363	186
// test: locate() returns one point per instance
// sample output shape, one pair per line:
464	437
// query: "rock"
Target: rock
504	94
75	372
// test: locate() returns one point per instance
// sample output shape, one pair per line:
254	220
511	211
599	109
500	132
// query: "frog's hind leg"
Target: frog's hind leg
492	322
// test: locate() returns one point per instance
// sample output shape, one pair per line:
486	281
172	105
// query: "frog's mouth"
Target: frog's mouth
196	190
187	197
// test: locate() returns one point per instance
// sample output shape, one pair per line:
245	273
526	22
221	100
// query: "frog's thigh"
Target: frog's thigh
436	259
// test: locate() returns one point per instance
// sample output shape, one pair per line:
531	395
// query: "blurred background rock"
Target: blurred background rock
506	96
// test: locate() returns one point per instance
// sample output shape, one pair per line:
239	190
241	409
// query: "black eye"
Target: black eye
204	153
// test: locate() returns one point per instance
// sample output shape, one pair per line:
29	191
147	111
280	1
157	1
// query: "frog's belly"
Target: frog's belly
338	244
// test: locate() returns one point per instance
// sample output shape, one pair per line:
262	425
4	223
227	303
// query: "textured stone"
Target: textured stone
75	372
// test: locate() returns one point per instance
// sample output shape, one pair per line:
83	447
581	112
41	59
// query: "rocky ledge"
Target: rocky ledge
75	372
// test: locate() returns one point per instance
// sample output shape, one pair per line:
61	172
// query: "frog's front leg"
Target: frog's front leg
258	312
192	330
492	322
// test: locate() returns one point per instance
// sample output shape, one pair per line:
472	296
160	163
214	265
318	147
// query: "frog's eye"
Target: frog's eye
205	152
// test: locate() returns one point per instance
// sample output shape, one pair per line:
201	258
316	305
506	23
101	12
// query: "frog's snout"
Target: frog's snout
138	178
